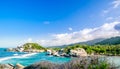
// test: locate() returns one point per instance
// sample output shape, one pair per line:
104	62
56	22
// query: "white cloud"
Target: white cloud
105	31
46	22
109	18
105	11
116	18
116	3
70	29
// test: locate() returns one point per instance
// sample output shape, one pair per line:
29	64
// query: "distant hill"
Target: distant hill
110	41
90	42
101	41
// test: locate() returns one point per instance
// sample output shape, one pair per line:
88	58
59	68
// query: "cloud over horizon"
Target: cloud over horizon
58	22
105	31
109	29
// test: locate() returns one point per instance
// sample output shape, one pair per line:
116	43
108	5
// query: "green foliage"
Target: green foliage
97	49
110	41
78	63
33	46
96	63
56	49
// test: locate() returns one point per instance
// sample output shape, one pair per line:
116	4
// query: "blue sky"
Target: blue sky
43	20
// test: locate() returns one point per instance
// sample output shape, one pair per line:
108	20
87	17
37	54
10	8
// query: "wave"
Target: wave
15	54
19	56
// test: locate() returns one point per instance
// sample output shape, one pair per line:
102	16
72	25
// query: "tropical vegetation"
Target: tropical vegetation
33	46
97	49
79	63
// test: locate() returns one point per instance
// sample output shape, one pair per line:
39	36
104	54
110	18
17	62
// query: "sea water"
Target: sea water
28	58
31	58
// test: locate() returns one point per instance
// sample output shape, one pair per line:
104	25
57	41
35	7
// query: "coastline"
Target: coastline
84	62
59	54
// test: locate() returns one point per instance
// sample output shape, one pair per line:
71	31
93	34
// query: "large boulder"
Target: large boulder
49	52
78	52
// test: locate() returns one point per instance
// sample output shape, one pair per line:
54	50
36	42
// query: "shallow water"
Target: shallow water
28	59
115	60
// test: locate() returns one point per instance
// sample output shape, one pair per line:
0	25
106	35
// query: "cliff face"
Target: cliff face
28	47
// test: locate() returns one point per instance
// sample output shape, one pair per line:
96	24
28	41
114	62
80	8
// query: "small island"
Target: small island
28	47
36	48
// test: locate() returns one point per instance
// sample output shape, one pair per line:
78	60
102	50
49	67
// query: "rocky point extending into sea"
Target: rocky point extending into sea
34	47
28	47
78	52
83	60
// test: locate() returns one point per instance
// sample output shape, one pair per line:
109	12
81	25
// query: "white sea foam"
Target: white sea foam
15	54
19	56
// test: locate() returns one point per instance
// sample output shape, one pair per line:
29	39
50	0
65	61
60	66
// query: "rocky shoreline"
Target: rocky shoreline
78	52
35	48
10	66
91	62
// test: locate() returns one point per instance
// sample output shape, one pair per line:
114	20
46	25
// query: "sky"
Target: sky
57	22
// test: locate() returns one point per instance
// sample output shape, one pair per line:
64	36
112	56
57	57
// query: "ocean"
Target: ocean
31	58
28	58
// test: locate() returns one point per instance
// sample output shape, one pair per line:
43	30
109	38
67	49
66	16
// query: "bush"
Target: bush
78	63
32	46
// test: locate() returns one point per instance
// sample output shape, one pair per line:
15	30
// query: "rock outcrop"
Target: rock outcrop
53	52
78	52
28	47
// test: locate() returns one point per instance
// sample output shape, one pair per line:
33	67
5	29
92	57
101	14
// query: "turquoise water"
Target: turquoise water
29	58
114	60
